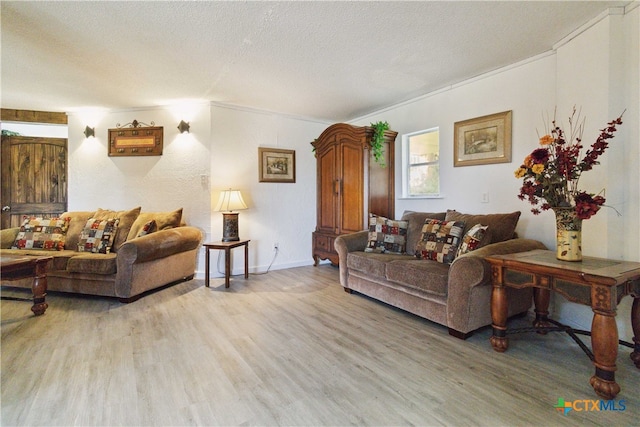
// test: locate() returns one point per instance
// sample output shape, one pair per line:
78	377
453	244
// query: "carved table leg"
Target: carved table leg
541	298
635	324
499	340
39	289
604	338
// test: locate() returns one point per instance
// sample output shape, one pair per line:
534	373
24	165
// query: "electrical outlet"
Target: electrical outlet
276	245
485	198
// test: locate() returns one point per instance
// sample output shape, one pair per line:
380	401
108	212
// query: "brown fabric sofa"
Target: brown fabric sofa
133	266
456	295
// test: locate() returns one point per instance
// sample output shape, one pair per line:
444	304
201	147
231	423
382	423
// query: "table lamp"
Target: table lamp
229	201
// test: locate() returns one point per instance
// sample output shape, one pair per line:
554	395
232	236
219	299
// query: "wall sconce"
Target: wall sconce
229	201
183	126
89	132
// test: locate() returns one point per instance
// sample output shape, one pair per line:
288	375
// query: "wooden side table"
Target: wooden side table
226	247
596	282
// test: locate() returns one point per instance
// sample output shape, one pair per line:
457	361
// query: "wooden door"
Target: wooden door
34	178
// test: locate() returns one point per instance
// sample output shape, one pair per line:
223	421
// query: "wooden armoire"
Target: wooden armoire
350	184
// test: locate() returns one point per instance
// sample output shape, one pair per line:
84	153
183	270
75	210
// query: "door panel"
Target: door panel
34	178
352	189
381	186
326	179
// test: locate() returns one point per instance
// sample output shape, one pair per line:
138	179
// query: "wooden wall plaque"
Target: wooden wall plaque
135	141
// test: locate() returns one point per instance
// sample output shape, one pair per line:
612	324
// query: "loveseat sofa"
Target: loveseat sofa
108	253
456	294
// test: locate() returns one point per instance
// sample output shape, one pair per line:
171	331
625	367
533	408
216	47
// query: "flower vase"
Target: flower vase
568	234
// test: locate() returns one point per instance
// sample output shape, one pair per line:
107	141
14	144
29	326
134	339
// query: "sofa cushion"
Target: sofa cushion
42	233
98	235
475	238
501	225
414	228
164	220
125	221
93	263
148	228
76	224
386	235
428	276
60	258
371	263
440	240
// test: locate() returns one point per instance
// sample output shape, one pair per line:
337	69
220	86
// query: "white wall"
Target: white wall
157	183
222	149
599	70
596	69
526	90
283	213
631	129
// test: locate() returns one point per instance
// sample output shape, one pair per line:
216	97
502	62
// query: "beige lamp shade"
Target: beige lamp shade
230	200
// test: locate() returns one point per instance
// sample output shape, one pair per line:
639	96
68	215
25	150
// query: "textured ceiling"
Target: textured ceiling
326	60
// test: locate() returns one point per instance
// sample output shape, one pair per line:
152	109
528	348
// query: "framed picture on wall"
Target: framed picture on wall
483	140
136	139
277	165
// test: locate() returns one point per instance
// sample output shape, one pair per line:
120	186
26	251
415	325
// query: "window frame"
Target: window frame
406	164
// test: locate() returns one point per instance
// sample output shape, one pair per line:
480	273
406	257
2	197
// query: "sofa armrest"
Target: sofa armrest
471	271
158	245
351	242
346	243
506	247
8	236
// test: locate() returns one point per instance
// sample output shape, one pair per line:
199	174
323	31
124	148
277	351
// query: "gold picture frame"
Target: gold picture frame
483	140
277	165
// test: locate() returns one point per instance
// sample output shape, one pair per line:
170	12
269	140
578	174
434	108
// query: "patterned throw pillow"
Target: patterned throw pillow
42	233
127	218
98	235
148	228
440	240
386	236
473	239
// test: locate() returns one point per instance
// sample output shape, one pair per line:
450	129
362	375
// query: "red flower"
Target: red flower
587	205
540	156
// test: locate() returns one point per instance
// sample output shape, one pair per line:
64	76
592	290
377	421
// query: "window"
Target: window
421	163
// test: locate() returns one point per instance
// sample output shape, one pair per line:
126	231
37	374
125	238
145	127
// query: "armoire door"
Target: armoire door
351	209
327	212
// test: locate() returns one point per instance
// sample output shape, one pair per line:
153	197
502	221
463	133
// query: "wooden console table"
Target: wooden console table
596	282
20	267
226	247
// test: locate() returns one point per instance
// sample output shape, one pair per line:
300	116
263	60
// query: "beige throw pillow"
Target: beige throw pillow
164	220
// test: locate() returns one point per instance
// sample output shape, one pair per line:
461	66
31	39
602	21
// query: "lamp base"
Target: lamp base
230	227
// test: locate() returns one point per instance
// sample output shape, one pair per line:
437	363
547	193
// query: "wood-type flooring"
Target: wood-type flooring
289	347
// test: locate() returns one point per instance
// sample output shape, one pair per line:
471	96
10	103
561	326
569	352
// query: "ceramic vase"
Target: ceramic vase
568	234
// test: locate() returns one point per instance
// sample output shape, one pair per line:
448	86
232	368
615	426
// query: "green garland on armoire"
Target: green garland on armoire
377	142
